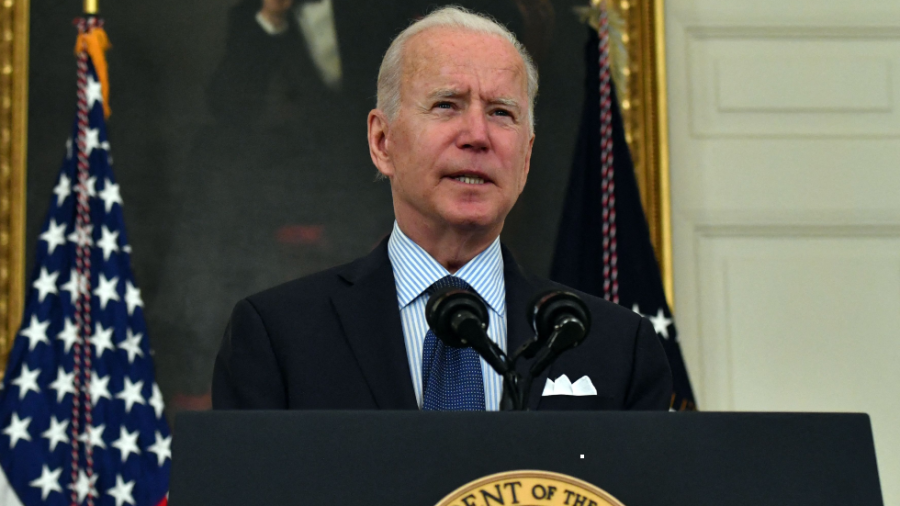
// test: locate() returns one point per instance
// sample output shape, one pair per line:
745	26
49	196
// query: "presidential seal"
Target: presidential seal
529	488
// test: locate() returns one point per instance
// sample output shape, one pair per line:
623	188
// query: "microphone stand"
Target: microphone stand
564	335
511	399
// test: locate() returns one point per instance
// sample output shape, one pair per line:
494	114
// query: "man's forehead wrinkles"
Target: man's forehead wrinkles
453	83
478	67
438	68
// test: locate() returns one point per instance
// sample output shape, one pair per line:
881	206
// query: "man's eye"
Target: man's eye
444	105
503	112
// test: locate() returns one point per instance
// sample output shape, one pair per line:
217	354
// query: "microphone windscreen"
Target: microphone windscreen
554	306
445	304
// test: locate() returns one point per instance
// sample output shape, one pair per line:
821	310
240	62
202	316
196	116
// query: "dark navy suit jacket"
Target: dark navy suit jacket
333	340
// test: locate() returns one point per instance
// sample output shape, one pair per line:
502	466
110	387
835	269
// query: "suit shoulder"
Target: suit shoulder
315	290
600	307
311	289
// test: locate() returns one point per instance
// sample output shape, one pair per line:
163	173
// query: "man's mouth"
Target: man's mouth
469	179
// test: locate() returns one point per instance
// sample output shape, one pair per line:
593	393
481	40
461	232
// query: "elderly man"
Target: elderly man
453	132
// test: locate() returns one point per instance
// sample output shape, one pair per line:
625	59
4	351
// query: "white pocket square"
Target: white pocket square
564	386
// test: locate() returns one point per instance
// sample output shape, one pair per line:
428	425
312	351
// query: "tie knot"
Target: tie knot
448	282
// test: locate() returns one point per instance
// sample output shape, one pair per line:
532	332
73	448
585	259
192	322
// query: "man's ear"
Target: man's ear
378	142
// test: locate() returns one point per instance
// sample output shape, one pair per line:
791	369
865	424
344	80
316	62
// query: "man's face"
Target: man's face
459	149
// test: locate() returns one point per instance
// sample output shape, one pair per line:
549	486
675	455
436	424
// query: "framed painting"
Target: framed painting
238	135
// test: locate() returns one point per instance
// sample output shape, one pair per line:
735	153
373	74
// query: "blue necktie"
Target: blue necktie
451	377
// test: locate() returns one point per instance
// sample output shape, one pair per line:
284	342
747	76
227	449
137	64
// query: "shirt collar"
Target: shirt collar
415	270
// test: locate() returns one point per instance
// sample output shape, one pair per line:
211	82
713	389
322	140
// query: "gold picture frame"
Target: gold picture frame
13	147
646	124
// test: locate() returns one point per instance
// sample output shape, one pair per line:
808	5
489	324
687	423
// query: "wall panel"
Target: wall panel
784	126
825	82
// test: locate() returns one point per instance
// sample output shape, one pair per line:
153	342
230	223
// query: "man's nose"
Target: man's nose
474	134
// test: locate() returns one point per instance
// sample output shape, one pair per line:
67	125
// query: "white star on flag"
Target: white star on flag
661	323
94	92
83	236
122	491
63	384
93	436
131	345
36	332
99	388
127	443
84	486
161	448
107	290
71	285
62	189
48	482
18	430
156	400
109	242
27	381
90	185
131	394
68	335
54	236
132	297
45	284
102	339
56	433
91	141
110	195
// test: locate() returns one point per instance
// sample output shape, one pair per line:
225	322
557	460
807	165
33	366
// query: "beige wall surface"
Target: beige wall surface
785	172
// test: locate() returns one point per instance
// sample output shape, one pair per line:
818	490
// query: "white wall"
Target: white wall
785	168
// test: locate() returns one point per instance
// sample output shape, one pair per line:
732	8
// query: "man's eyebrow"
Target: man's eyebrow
455	93
508	102
446	93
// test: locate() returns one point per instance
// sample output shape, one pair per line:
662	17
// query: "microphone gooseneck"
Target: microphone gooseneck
561	321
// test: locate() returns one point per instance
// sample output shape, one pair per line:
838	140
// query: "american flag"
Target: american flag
81	414
603	244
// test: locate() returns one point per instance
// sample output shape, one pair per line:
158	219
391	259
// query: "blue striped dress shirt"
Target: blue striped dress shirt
415	270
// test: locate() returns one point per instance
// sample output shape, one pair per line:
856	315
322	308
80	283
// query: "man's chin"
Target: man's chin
473	222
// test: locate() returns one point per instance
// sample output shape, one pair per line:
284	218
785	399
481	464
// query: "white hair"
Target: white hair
391	72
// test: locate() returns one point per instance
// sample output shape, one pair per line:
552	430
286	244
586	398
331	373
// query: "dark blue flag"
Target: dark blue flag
603	246
81	414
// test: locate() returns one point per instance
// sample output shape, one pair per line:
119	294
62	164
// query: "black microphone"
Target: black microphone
530	348
459	318
561	320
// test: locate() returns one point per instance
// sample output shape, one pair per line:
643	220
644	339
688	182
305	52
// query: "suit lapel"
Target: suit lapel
519	293
368	312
